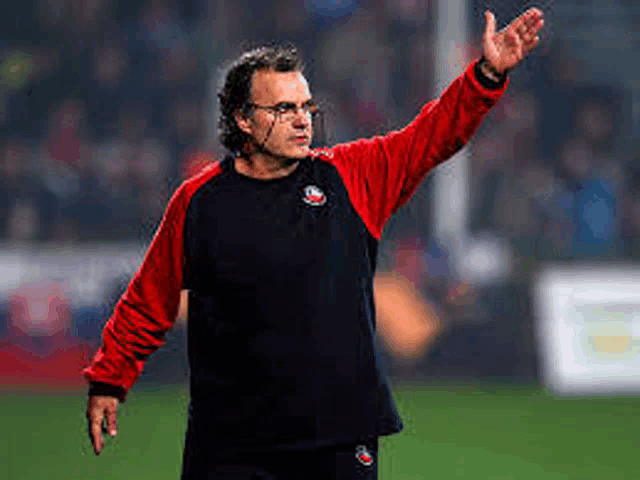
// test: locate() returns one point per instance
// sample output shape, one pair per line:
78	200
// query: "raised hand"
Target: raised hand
508	47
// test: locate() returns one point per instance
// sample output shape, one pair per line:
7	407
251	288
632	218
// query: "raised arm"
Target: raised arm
382	173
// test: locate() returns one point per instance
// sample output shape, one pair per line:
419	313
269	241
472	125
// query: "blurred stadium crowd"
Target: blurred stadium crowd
106	105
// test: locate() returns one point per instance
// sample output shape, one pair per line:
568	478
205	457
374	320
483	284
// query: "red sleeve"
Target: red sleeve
382	173
148	308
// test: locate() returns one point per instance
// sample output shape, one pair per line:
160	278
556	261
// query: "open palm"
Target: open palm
508	47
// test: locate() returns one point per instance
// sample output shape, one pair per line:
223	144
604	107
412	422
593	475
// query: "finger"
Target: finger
532	16
95	433
525	22
529	35
490	20
531	29
531	39
95	417
111	420
518	24
513	40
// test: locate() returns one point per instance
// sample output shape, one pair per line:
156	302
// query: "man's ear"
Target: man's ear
243	121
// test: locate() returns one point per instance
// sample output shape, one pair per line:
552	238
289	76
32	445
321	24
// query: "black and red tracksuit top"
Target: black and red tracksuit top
281	321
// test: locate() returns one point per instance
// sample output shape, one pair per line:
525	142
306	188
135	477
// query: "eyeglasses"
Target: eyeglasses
288	110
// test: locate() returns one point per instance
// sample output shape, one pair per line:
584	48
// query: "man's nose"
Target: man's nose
301	118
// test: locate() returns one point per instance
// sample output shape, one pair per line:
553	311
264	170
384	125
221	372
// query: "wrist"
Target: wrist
107	390
491	72
487	79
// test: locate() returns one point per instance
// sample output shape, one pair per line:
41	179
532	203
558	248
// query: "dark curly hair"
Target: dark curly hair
236	91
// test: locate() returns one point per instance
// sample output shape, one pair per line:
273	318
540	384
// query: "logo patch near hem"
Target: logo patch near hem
363	456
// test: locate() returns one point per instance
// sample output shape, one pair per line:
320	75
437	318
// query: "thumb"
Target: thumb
490	28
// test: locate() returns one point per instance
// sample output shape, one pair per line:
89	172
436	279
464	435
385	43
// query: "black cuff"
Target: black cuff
485	81
107	390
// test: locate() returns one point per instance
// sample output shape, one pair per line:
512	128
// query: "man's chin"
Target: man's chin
299	153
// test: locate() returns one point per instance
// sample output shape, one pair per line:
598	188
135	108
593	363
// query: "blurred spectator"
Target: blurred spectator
419	87
410	12
74	27
66	145
188	125
174	64
31	79
508	174
492	339
53	13
412	29
291	20
360	74
28	209
592	169
144	58
111	84
333	125
66	166
21	26
132	169
87	16
593	201
77	22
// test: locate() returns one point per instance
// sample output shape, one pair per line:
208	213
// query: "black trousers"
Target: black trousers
358	461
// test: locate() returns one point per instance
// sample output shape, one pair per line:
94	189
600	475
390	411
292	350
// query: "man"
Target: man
276	246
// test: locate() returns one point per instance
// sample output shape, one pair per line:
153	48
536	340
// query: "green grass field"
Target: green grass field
480	432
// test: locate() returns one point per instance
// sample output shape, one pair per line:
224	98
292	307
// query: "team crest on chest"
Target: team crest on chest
312	195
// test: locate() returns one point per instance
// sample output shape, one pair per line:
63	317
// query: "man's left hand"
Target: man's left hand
508	47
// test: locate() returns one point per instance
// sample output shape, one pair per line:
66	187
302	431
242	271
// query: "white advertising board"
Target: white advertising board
588	329
85	271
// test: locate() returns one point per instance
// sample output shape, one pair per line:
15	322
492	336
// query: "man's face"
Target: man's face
287	134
